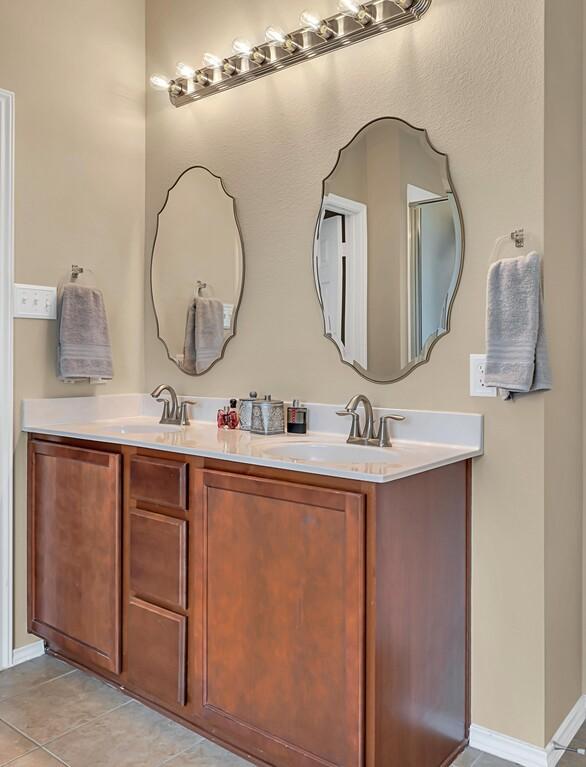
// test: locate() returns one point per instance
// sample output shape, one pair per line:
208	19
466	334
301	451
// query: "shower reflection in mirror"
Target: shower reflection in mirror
388	250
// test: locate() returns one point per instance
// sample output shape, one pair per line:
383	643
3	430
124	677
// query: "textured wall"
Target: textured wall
273	141
79	189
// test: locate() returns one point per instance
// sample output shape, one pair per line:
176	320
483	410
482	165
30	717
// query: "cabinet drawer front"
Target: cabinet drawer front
158	481
156	663
158	558
279	668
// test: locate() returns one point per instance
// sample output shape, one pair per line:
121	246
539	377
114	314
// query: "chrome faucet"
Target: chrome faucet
368	435
175	413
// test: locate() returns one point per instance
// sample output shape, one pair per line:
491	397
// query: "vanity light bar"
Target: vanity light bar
355	22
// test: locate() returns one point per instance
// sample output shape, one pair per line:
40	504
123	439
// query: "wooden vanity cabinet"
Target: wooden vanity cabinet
300	620
74	551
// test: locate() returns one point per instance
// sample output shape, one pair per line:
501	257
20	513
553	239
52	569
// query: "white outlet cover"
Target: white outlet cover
35	302
477	387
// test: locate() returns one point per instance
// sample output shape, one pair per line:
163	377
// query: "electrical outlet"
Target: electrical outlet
477	369
35	302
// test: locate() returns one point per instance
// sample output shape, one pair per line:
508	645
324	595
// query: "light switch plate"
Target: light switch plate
35	302
477	370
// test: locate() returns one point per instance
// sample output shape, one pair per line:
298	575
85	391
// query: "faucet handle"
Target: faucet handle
355	428
166	409
183	415
384	437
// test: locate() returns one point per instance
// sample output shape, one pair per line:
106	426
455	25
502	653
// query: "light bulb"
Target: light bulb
160	82
349	6
211	61
275	35
310	20
185	70
242	47
356	10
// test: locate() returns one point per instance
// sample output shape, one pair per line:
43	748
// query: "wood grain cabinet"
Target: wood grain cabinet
74	551
302	621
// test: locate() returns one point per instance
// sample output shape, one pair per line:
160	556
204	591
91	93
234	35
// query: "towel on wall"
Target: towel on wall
204	334
83	350
517	359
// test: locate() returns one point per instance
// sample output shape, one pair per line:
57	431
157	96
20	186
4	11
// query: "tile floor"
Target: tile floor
53	715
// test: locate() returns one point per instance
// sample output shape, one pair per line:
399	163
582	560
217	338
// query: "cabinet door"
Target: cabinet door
278	667
74	551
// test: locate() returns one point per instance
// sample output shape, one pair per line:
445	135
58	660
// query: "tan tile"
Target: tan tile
13	744
207	754
38	758
487	760
19	679
131	736
58	706
467	757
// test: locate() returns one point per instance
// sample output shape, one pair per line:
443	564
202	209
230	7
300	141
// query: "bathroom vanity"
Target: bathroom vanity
298	616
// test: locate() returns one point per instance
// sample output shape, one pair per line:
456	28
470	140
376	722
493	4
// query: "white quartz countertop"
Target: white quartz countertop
127	420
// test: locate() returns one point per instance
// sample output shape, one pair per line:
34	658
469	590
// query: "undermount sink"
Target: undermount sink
319	452
142	428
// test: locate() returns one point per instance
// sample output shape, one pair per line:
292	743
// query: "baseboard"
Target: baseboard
566	732
28	652
526	754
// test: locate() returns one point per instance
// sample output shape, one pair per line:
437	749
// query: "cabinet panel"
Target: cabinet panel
280	664
156	653
158	558
159	481
74	551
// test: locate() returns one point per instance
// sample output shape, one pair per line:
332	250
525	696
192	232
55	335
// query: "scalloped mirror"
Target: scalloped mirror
388	250
197	270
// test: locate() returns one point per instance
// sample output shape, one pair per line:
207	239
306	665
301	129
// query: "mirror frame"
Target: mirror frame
429	346
243	276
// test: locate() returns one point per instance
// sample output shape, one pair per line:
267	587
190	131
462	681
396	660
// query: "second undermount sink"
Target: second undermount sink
332	453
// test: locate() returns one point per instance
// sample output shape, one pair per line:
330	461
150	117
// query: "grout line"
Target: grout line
84	724
46	750
181	753
36	686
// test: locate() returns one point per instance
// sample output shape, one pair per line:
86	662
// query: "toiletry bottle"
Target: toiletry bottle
233	417
296	418
224	417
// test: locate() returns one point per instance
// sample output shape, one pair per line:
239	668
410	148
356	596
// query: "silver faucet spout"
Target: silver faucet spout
170	409
367	433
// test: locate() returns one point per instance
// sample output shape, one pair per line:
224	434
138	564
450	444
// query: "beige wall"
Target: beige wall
563	406
79	198
77	69
482	104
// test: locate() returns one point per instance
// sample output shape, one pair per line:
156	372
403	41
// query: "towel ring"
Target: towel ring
519	243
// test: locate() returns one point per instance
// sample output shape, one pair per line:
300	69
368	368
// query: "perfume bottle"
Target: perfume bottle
296	418
223	417
233	417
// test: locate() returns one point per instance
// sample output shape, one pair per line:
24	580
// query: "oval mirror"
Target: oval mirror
197	270
388	250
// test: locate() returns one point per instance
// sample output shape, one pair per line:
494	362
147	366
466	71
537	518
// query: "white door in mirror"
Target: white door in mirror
36	302
477	371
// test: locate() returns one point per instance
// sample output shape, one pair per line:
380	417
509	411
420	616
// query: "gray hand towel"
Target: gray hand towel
189	363
209	332
517	360
204	334
84	350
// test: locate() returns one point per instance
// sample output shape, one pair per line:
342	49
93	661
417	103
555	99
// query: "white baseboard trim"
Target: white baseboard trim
526	754
28	652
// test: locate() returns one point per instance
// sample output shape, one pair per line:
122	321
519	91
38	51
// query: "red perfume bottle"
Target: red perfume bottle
223	418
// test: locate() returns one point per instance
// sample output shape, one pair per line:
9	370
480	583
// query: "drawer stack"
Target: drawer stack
156	631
